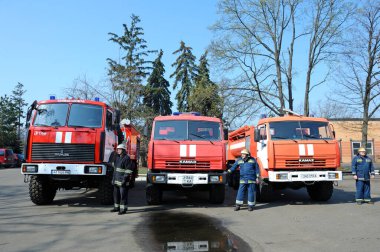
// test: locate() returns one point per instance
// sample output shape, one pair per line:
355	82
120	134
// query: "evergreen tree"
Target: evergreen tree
157	94
205	96
185	73
128	73
8	122
19	105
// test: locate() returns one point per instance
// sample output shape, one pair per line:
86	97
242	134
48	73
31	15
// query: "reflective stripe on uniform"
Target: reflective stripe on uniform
117	205
129	171
120	170
240	162
251	203
239	202
367	200
359	199
118	183
122	207
251	161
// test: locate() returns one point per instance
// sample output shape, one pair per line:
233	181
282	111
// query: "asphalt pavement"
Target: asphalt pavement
75	221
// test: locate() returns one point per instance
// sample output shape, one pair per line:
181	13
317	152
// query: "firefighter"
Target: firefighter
249	176
121	176
362	171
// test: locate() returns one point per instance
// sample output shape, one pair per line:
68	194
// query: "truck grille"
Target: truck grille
296	163
63	152
178	165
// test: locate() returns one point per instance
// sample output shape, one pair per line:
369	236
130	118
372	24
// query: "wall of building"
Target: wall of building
349	130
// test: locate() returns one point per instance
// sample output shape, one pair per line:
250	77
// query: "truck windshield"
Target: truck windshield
85	115
186	130
51	114
299	130
1	152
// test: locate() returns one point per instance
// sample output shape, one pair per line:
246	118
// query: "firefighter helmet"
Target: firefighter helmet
244	151
121	146
361	149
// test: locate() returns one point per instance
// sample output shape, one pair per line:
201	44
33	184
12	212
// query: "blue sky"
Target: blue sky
47	44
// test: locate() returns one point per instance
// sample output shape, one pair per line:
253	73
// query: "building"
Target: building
348	133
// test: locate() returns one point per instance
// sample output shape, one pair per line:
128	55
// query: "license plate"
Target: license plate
187	179
307	176
59	172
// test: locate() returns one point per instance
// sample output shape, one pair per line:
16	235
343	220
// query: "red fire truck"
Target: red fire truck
292	151
186	151
68	146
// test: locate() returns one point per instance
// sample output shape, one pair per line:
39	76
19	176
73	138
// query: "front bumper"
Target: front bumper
186	179
300	176
63	169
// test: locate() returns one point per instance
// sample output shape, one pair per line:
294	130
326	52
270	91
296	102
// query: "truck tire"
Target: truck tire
321	191
41	192
106	190
217	194
264	192
153	194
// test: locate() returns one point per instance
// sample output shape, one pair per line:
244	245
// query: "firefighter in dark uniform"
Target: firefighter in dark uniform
363	171
121	176
249	176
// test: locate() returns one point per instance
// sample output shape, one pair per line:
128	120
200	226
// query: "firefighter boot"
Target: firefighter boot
122	212
237	208
250	208
114	210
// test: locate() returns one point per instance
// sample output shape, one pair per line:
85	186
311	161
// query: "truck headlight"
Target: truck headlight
93	169
159	178
282	176
30	168
333	175
214	178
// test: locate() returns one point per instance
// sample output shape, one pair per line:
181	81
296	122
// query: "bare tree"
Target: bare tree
328	18
83	88
250	40
359	80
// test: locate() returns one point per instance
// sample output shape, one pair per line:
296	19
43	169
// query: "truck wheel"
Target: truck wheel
153	194
321	191
264	192
106	190
41	192
217	194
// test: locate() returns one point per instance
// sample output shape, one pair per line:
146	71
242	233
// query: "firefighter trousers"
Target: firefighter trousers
243	187
120	197
363	190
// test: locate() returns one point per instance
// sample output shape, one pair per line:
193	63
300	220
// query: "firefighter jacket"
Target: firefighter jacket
362	167
249	169
122	170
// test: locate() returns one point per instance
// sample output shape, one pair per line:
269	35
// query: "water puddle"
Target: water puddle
165	231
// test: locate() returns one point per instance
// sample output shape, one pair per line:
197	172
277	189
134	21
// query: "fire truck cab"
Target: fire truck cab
292	151
68	145
186	152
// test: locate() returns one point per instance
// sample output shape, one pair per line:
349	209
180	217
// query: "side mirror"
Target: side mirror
29	113
225	133
333	133
145	131
256	135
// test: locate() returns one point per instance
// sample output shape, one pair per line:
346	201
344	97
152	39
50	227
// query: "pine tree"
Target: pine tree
19	103
185	73
8	122
205	96
157	94
127	75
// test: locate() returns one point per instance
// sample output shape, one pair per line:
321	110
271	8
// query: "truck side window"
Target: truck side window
109	120
263	133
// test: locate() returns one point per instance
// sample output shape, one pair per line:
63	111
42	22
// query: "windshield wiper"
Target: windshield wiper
201	137
166	139
286	138
41	124
314	137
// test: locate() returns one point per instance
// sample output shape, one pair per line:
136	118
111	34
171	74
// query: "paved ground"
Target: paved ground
76	222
